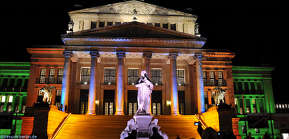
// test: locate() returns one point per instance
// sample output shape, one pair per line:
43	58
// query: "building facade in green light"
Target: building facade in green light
254	101
13	91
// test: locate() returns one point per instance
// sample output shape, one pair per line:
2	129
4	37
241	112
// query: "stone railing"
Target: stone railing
55	117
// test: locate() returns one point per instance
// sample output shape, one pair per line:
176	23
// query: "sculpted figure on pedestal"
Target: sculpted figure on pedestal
145	88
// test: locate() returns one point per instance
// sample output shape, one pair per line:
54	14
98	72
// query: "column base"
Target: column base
119	113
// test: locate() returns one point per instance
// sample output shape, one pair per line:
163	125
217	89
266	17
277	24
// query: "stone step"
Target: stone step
110	127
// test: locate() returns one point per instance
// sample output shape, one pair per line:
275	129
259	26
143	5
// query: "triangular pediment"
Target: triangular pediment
131	30
131	7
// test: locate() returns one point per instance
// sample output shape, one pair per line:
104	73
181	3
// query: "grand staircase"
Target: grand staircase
110	127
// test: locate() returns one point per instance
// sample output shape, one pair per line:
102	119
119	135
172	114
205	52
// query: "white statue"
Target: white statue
219	96
46	95
145	88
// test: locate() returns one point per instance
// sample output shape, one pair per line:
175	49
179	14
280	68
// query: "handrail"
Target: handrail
55	133
204	126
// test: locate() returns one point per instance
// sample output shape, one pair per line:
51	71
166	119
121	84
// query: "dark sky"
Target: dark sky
257	32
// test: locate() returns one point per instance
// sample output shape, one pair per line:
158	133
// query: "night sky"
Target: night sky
257	32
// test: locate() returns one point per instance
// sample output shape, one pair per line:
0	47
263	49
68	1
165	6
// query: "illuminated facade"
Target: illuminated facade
13	92
254	101
105	49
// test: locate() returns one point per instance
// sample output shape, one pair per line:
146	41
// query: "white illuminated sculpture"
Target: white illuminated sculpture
145	88
46	95
142	126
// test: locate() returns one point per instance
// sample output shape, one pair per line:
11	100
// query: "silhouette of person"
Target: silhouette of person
131	135
156	134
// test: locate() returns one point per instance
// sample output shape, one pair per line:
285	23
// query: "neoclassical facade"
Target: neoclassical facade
106	48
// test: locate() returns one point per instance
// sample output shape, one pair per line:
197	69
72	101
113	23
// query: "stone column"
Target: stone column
209	97
92	83
200	84
65	80
174	87
119	83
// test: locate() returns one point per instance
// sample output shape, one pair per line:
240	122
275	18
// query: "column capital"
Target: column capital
94	54
173	55
199	56
67	54
147	54
120	54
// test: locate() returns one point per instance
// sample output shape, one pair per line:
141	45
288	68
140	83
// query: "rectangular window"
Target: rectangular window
84	75
156	75
59	75
109	23
109	76
92	25
132	76
51	75
240	87
180	77
10	100
253	87
3	99
101	24
241	110
166	26
150	24
117	23
246	86
173	27
254	108
157	24
212	78
248	105
220	75
42	75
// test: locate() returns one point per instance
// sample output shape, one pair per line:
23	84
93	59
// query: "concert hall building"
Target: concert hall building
103	53
107	47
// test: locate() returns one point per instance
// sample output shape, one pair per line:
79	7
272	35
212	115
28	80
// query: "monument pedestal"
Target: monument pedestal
142	126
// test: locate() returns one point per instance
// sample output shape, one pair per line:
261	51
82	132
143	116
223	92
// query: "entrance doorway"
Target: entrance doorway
132	102
108	102
181	99
83	101
156	102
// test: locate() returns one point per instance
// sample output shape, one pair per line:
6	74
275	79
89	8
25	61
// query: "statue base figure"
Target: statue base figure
142	127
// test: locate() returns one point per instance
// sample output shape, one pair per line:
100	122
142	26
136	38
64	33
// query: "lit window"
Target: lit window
132	76
3	99
109	76
156	75
42	75
59	75
51	75
10	99
180	77
84	75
